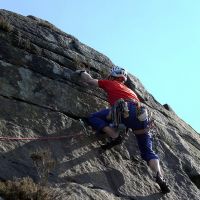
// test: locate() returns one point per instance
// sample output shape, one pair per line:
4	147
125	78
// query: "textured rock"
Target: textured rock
39	98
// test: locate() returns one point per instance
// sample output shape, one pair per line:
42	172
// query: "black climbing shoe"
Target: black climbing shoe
112	143
162	183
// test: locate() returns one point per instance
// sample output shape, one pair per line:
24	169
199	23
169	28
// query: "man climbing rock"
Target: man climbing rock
125	109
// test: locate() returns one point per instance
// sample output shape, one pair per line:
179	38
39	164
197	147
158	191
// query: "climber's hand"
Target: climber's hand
87	77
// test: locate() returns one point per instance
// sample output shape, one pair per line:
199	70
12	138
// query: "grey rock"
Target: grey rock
40	98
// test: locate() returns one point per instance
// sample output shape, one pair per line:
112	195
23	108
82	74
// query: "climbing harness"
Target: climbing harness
120	109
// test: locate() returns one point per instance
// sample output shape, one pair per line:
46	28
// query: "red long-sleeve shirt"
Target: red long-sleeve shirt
116	90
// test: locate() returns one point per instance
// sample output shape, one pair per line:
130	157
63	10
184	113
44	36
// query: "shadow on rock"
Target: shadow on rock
110	180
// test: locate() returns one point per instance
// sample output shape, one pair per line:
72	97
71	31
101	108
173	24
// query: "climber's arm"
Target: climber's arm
88	79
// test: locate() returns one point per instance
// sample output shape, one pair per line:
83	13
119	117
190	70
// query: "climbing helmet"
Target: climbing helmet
118	72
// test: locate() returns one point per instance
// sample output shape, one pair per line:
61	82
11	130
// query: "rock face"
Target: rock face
40	99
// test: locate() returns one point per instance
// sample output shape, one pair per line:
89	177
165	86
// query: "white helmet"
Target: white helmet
119	72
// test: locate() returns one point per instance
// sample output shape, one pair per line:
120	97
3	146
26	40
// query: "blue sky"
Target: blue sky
156	40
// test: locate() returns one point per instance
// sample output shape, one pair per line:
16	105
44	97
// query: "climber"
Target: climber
133	116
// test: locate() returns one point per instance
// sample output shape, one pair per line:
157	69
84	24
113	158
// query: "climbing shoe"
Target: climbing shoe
112	143
162	183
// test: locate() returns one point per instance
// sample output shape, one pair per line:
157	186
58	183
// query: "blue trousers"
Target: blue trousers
99	120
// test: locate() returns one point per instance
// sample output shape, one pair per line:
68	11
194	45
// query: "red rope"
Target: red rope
41	138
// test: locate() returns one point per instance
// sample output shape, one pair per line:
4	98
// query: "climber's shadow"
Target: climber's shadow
110	180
